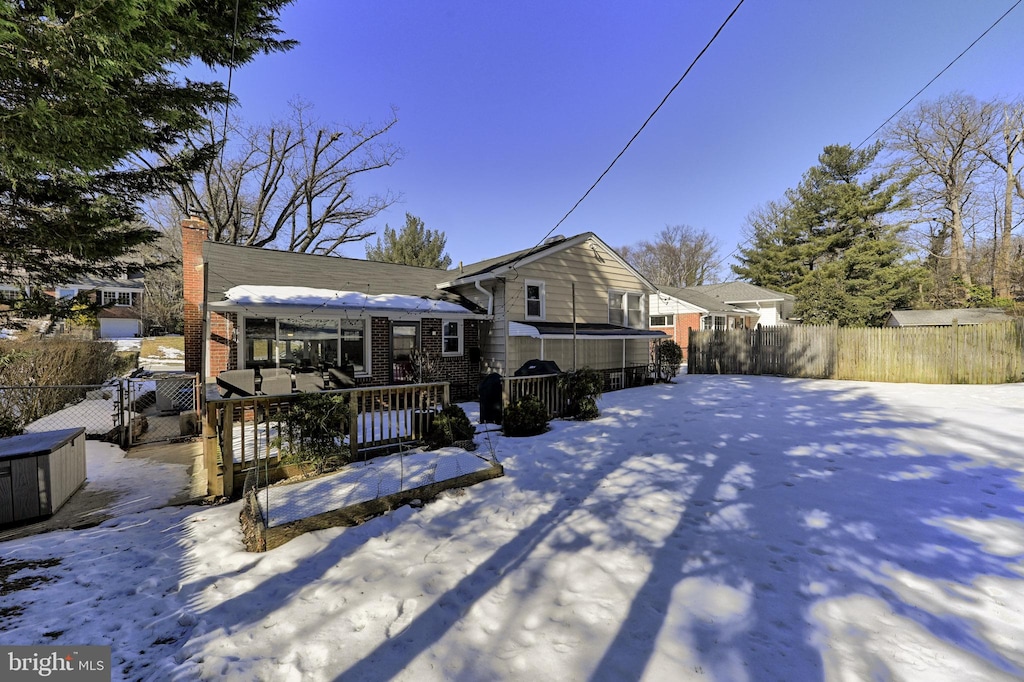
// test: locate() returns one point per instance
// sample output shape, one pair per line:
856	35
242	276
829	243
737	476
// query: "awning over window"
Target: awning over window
564	330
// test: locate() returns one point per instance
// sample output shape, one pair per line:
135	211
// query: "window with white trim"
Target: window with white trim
66	292
661	320
9	294
119	298
534	300
626	309
451	337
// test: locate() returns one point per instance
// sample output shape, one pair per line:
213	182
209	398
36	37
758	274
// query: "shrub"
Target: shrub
314	431
581	388
450	426
670	357
51	362
527	416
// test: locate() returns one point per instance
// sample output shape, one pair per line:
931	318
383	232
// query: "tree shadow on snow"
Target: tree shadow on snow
843	504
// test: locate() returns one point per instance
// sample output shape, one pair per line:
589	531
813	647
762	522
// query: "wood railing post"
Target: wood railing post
353	425
227	449
214	484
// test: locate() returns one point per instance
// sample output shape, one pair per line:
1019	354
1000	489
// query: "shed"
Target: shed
39	472
944	317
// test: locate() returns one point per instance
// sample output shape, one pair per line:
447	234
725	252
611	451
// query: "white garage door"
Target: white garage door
118	329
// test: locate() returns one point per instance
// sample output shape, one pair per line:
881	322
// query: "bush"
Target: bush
51	362
450	426
527	416
581	388
670	357
314	431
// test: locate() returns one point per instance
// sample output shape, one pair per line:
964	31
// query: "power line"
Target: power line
632	139
656	109
936	77
905	104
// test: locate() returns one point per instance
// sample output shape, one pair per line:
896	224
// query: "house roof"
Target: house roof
695	297
741	292
118	312
945	317
232	266
499	265
564	330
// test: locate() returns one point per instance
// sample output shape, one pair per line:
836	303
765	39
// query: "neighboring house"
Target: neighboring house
571	300
731	305
945	317
248	307
122	296
121	318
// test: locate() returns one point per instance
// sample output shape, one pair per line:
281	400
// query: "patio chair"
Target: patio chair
308	383
236	383
338	379
276	381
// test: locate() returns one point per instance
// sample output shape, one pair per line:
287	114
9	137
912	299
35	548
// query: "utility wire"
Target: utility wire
632	139
905	104
936	77
656	109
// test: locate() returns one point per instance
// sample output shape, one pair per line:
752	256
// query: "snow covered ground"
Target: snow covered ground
723	528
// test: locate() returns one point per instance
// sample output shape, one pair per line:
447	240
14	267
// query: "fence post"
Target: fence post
956	351
214	483
227	450
353	425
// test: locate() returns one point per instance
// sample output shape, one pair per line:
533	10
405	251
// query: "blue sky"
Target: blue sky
508	111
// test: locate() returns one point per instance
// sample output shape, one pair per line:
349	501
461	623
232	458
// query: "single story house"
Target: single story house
730	305
571	300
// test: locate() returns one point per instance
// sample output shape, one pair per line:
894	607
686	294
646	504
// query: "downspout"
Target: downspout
489	295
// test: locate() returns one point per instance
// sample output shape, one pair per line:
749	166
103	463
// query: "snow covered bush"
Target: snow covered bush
581	388
527	416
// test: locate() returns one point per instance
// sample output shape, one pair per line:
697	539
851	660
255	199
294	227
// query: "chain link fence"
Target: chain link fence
126	411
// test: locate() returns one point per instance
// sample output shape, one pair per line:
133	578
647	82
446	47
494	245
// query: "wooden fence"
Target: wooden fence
959	354
242	434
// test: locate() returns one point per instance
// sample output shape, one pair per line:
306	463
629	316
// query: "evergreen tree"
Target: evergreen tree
831	245
414	245
84	86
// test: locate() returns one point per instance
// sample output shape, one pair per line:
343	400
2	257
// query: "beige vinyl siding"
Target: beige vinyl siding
595	273
492	334
593	353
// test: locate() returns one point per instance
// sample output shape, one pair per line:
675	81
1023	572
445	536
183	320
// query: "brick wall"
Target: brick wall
193	234
223	343
680	329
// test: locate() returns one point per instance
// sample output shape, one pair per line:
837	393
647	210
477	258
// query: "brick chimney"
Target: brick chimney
193	233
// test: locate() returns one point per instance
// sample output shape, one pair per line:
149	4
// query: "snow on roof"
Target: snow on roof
331	299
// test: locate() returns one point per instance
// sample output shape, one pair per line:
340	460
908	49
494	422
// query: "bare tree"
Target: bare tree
941	143
289	184
1011	134
680	256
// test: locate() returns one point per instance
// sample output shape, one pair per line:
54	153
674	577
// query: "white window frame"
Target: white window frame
458	336
625	294
526	297
668	320
116	296
64	293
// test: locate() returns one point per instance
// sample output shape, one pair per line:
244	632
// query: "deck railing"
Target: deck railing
241	434
545	386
